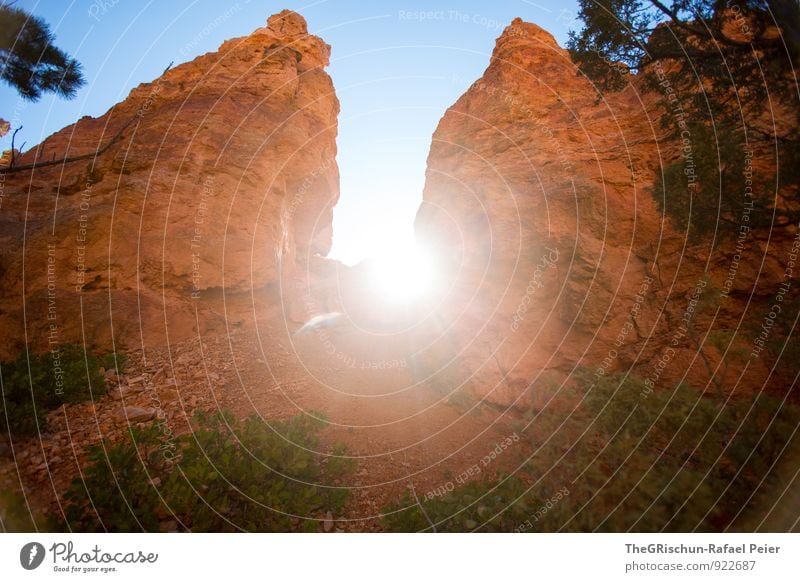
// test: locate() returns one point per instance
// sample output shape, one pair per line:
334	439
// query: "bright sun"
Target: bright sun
402	274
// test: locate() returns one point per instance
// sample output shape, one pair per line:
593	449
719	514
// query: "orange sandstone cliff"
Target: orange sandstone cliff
219	177
539	197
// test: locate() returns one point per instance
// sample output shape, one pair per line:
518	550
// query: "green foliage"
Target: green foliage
716	94
671	460
495	506
339	463
16	515
30	62
26	397
703	192
627	458
34	384
695	193
114	361
224	476
621	35
80	378
116	493
782	345
607	46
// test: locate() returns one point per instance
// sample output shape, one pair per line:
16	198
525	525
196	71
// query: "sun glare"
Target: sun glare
402	274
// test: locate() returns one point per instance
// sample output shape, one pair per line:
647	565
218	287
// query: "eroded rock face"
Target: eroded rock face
219	175
538	200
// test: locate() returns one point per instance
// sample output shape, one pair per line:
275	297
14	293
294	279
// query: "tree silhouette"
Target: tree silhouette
30	62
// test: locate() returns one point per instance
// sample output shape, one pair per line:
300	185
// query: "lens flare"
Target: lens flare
403	274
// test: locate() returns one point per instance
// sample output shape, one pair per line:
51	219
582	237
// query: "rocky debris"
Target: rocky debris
245	387
327	525
121	391
71	430
53	458
134	414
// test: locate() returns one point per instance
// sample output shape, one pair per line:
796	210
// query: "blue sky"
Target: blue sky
396	66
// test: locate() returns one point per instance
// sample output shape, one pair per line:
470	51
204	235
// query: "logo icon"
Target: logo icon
31	555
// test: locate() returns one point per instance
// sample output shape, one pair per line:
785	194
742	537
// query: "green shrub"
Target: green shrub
673	460
34	384
701	197
81	379
114	361
224	476
24	401
494	506
116	493
625	459
18	515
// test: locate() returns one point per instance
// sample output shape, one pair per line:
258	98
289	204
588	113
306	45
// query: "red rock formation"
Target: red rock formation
220	174
538	199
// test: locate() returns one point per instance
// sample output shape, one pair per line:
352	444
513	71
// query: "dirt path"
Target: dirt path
403	426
